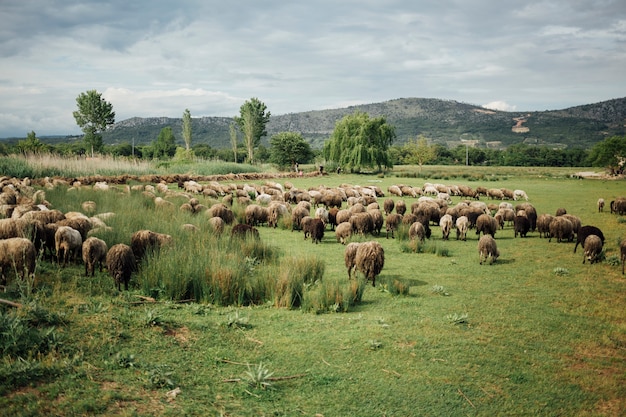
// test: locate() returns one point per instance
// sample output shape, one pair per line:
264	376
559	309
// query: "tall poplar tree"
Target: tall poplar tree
187	129
94	115
252	122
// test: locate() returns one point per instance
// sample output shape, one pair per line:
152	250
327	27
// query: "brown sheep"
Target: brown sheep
80	223
392	222
217	225
349	257
343	231
146	240
120	261
370	260
388	206
68	244
562	229
487	247
377	220
94	253
417	231
561	211
543	224
298	213
256	214
585	231
400	207
242	231
576	222
487	225
222	211
17	254
362	223
593	248
521	225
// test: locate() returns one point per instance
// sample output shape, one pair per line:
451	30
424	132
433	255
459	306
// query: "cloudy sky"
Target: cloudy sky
157	58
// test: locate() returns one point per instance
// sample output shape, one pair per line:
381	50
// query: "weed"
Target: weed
439	290
258	376
612	260
160	376
560	271
374	344
124	360
235	320
153	318
458	318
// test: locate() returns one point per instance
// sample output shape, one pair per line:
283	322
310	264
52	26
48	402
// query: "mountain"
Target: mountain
443	121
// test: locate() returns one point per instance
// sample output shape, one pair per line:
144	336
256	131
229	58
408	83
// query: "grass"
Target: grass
513	338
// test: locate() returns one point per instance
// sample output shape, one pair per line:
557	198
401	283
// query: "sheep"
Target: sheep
146	240
217	225
446	226
622	249
243	231
377	220
17	254
618	206
94	253
561	211
370	260
314	227
343	216
521	224
68	243
585	231
417	231
343	231
388	206
400	207
593	248
298	213
486	224
120	262
80	223
562	229
332	217
576	222
600	205
223	211
362	223
462	224
495	194
543	224
517	194
349	257
392	222
487	247
322	214
275	211
256	214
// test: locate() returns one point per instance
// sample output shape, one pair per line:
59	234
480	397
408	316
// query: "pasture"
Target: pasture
537	333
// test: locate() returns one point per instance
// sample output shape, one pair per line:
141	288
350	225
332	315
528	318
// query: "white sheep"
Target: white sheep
17	254
94	253
446	225
462	225
517	194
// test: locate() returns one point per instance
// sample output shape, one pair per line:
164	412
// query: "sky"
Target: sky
152	58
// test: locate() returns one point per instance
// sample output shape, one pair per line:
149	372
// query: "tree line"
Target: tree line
358	143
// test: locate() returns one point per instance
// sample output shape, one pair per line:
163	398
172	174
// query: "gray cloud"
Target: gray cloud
158	58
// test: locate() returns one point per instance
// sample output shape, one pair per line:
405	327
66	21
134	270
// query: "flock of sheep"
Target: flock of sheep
29	226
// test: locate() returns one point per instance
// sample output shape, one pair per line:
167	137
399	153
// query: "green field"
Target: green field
538	333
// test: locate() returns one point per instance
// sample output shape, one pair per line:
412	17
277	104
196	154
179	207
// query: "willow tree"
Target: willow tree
252	122
419	151
360	142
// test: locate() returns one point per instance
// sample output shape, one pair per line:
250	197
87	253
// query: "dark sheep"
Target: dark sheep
622	250
521	225
362	223
349	257
244	230
332	217
487	248
392	222
486	224
94	253
370	260
562	229
400	207
315	228
388	206
543	224
120	261
585	231
144	240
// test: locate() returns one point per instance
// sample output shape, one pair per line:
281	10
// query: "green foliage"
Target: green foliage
611	153
458	318
360	142
258	376
94	115
31	144
160	376
419	151
287	148
560	271
252	122
165	144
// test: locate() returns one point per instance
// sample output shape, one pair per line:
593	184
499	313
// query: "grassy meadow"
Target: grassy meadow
538	333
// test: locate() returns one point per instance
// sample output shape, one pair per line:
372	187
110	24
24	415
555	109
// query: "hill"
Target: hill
444	121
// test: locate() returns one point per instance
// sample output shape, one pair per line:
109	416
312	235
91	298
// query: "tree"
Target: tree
610	153
187	129
419	151
165	145
252	121
287	148
31	144
94	115
360	142
233	139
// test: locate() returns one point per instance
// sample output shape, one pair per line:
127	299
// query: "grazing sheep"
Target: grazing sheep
400	207
487	247
80	223
417	231
217	224
521	225
256	214
243	231
88	207
349	257
94	253
120	261
362	223
388	206
622	250
315	228
275	211
446	226
17	254
593	248
395	190
585	231
517	194
543	224
370	260
576	222
343	216
146	240
462	224
618	206
343	231
298	213
561	211
392	222
377	220
600	204
486	224
223	211
332	217
562	229
68	243
322	214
